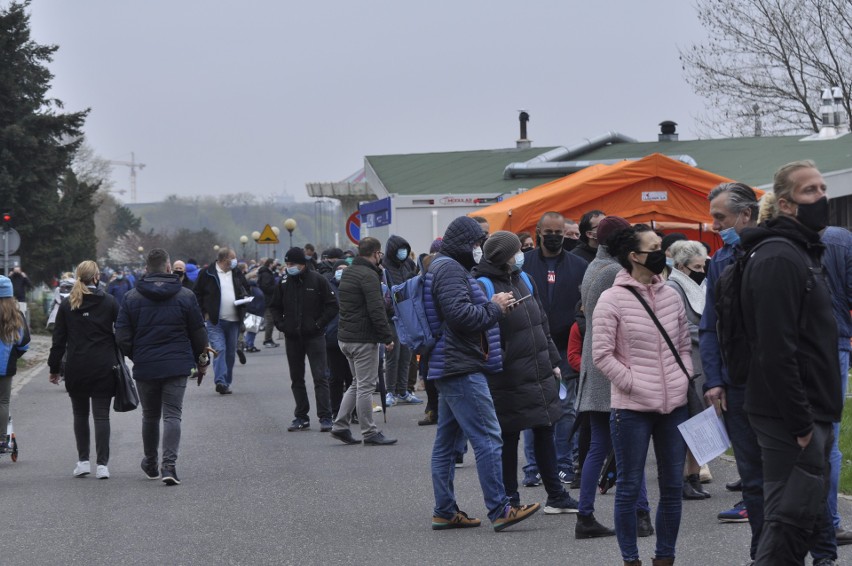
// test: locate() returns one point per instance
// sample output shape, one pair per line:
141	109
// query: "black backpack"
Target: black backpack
734	344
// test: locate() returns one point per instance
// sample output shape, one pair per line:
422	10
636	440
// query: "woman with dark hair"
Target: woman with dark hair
649	380
84	328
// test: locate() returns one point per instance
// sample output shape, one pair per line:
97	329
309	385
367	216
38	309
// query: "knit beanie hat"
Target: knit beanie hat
5	287
671	239
436	245
333	253
609	226
295	255
500	247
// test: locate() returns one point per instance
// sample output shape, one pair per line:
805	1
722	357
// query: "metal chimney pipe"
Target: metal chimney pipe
523	142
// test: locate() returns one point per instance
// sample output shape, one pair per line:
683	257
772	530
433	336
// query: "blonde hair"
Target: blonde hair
10	320
683	251
87	272
782	187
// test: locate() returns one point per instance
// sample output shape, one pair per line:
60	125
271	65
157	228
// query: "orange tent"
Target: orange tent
656	190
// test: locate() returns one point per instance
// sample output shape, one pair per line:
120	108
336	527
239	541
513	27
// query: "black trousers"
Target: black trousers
795	487
100	414
545	456
314	349
340	375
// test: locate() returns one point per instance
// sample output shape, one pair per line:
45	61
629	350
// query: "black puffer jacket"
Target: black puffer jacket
160	328
266	282
525	393
86	335
794	373
303	305
398	271
362	307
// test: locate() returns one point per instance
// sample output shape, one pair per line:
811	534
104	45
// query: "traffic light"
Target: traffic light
7	221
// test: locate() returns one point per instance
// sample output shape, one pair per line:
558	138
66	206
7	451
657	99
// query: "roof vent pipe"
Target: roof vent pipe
668	131
523	142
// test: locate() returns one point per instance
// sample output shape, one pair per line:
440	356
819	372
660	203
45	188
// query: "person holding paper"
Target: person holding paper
641	344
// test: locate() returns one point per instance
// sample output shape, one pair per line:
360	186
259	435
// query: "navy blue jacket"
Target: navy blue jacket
160	328
715	373
837	261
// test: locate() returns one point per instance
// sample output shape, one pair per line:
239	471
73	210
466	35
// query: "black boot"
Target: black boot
588	527
644	528
695	482
689	491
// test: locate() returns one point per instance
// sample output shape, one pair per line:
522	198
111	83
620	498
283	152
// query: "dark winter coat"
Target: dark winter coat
209	293
457	308
9	353
118	288
395	270
525	393
86	335
160	328
794	373
303	305
585	252
258	306
266	282
363	317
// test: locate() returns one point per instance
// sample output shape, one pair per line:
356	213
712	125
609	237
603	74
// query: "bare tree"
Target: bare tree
776	54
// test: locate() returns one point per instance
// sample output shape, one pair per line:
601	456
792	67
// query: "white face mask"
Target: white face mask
477	254
233	263
519	261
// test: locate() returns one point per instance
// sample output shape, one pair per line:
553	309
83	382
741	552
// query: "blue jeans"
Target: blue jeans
599	449
465	408
223	339
749	463
565	445
249	337
632	432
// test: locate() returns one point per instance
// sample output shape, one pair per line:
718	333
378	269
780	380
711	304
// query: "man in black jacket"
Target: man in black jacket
302	307
217	289
793	389
266	282
363	325
587	249
160	328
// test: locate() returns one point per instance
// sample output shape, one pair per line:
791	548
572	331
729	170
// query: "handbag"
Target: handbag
691	378
126	396
253	323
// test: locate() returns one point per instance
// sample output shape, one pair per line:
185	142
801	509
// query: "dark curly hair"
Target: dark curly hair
626	240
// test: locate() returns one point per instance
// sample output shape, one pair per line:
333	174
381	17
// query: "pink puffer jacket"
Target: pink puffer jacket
631	352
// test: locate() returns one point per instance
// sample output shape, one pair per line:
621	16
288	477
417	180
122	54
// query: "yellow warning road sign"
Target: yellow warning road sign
267	236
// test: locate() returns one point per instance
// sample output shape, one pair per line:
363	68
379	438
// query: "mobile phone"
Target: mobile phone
521	300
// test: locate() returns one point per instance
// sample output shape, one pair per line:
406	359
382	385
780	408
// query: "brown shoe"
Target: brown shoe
515	515
633	563
459	521
662	561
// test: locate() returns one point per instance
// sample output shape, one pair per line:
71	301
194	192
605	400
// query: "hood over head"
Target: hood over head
459	239
159	286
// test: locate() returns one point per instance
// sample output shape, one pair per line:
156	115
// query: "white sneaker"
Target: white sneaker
82	469
102	473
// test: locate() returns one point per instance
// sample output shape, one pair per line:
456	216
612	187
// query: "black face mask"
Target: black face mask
179	273
552	242
813	215
569	244
655	262
697	276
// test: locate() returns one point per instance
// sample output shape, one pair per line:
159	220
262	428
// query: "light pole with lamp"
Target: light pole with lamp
244	241
255	236
141	251
276	231
290	225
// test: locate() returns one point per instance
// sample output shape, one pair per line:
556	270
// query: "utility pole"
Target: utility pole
133	167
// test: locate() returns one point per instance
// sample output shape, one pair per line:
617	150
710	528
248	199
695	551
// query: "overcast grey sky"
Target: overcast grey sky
262	96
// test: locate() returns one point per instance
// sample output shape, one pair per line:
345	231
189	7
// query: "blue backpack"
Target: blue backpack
489	285
409	318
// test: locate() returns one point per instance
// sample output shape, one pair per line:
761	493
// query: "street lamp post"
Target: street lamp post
290	225
141	250
275	231
244	241
255	236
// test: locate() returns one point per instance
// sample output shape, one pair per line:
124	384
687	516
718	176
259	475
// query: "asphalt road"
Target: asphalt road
253	493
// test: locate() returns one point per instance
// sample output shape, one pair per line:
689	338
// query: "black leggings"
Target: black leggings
100	414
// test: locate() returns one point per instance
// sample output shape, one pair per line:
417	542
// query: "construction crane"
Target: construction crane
133	167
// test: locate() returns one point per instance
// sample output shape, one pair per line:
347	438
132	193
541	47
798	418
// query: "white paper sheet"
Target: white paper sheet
239	302
705	435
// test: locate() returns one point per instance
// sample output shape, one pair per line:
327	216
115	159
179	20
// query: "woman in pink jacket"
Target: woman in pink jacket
648	384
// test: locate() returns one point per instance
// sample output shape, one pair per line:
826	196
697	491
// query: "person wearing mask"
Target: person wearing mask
526	390
179	269
527	242
310	256
84	329
330	256
687	275
571	235
558	274
266	282
588	246
461	315
362	327
593	394
217	289
119	285
733	207
14	342
161	329
793	392
256	307
398	268
302	306
648	380
431	411
340	374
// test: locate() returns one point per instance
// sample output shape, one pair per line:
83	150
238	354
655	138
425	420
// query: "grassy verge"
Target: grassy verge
845	445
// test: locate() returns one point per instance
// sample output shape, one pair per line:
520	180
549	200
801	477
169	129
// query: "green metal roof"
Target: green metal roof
456	172
749	160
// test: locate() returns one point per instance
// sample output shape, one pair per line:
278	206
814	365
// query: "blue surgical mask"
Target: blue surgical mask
293	270
401	254
234	263
338	274
730	236
308	257
519	261
669	263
